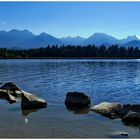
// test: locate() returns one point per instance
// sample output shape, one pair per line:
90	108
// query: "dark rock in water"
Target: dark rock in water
128	108
107	109
125	110
77	99
30	101
119	135
135	108
12	87
132	118
8	95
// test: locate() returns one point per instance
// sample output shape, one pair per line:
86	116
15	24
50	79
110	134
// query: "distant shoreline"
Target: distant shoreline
70	58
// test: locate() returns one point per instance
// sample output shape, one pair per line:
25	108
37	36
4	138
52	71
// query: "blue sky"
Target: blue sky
61	19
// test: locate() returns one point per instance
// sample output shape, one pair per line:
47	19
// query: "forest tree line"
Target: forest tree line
92	51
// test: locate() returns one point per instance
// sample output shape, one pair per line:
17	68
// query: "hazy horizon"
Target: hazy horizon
73	36
62	19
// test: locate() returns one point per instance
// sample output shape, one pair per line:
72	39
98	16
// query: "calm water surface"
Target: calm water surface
103	80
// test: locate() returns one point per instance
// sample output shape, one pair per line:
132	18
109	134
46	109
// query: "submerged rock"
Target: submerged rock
26	120
77	99
132	118
119	135
30	101
107	109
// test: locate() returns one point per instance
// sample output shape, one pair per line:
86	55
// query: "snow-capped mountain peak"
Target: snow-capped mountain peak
138	37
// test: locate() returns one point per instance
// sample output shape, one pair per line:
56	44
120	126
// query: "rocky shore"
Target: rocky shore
12	93
74	101
128	113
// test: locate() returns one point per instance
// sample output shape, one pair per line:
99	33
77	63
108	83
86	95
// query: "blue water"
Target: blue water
102	80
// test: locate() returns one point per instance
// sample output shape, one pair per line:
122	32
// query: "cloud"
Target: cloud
3	22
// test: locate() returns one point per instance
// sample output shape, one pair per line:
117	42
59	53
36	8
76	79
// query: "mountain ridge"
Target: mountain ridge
25	39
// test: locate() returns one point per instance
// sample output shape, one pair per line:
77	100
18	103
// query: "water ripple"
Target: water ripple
102	80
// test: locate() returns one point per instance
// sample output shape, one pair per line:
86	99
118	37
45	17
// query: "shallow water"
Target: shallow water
103	80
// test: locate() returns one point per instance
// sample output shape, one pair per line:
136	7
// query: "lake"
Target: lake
101	79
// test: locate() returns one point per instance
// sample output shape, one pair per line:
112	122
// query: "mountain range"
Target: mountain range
24	39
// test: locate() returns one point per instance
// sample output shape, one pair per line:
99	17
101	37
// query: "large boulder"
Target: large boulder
30	101
133	118
107	109
8	95
77	99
